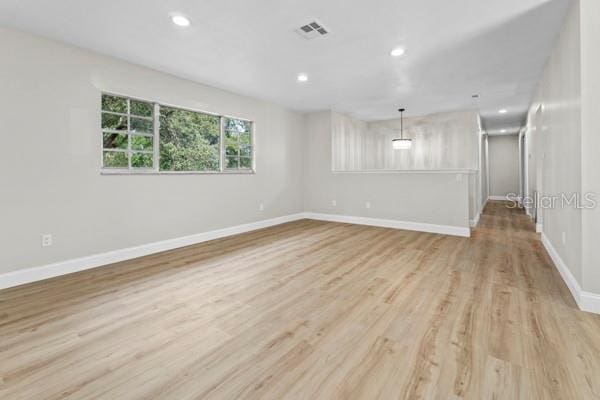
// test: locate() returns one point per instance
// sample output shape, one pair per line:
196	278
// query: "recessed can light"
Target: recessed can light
397	52
302	78
503	111
503	131
180	20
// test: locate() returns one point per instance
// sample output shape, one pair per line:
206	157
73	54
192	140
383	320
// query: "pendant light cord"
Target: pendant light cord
401	123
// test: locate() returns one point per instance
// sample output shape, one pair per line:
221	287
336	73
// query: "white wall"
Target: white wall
590	141
51	182
504	164
434	198
442	142
554	142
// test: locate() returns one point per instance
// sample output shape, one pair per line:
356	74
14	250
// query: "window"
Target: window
189	141
127	133
238	144
141	136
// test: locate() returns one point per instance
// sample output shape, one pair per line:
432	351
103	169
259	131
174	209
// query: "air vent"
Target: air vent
312	30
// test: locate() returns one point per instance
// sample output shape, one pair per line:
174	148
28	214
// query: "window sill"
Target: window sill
128	172
408	171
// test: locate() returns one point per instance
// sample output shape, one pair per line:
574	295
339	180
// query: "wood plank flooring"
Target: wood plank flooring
309	310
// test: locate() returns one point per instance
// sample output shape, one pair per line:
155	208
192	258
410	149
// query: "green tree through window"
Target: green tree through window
238	146
186	140
189	141
127	133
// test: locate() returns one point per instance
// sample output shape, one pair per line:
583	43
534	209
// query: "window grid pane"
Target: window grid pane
115	159
189	141
131	136
238	144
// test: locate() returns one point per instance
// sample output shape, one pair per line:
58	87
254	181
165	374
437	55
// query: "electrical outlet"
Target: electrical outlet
261	207
459	177
564	238
333	203
368	204
46	240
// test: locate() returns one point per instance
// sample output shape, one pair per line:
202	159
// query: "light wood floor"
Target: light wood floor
309	310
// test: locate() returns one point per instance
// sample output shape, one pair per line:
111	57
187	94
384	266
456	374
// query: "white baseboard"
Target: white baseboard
586	301
28	275
539	228
590	302
497	198
389	223
20	277
475	221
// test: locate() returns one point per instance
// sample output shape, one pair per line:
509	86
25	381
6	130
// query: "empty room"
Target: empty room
319	199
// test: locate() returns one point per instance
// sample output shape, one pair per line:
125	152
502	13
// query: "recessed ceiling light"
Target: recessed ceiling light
180	20
302	78
503	111
503	131
397	52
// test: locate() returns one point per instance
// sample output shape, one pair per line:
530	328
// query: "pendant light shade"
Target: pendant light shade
402	143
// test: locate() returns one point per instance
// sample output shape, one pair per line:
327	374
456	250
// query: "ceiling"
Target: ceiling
454	49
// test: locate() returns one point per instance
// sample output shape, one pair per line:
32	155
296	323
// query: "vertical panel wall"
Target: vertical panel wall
445	141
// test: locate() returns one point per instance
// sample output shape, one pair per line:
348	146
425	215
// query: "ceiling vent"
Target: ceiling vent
312	30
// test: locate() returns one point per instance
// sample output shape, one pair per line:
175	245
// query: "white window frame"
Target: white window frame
129	150
223	149
156	142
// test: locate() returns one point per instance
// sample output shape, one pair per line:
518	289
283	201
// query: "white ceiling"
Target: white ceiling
496	48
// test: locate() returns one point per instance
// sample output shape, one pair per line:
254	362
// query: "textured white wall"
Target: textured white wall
350	143
50	165
445	141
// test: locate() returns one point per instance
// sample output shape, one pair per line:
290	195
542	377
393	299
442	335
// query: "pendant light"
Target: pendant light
402	144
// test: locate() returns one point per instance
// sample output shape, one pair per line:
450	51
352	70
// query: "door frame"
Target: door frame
523	168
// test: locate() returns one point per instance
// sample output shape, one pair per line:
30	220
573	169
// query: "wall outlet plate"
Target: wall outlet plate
46	240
